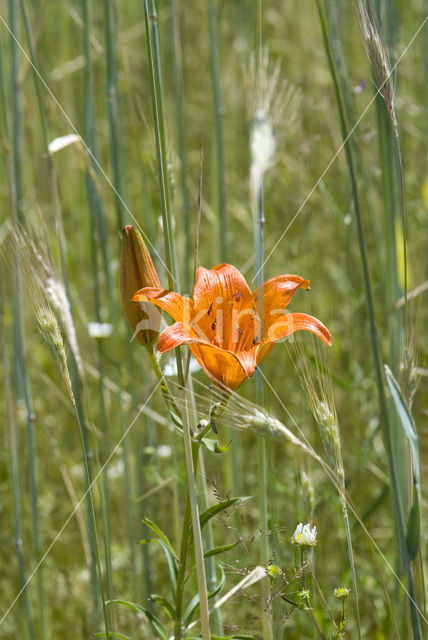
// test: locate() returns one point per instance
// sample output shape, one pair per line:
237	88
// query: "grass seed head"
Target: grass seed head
377	52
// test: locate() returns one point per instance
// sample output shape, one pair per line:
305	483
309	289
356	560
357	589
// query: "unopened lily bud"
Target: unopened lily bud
136	272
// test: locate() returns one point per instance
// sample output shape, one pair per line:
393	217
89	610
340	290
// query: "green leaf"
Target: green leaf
214	446
414	526
172	562
219	586
407	423
219	507
194	603
154	621
149	523
216	550
166	604
191	608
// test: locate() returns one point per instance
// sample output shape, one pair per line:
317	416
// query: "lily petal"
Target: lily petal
222	366
276	293
223	280
286	324
222	304
179	307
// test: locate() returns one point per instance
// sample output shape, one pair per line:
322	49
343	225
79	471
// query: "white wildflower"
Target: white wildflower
100	329
341	593
61	142
304	536
164	451
116	470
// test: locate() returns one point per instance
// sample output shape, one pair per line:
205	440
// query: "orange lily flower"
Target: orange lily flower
229	329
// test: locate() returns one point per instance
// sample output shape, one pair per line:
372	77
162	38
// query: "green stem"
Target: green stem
398	507
191	462
95	569
111	89
185	539
178	77
219	115
17	515
258	228
152	38
23	387
153	51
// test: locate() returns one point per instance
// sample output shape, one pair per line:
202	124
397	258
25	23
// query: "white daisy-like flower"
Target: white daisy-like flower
304	535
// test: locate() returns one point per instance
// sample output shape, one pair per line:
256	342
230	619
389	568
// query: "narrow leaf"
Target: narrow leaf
216	550
166	604
172	562
414	527
154	621
406	421
219	507
161	535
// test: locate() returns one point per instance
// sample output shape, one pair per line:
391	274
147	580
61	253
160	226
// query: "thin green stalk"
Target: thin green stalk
17	515
210	563
53	183
112	108
23	381
191	454
185	539
95	568
179	115
219	115
129	497
398	506
153	53
98	221
143	461
97	225
258	228
16	106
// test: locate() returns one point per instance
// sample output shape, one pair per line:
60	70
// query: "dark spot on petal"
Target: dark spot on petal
238	296
210	308
256	340
213	326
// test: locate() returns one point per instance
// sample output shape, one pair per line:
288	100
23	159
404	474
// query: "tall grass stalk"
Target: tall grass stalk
116	153
219	134
258	227
16	493
153	52
114	123
53	182
392	462
393	206
179	115
97	224
95	568
23	388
